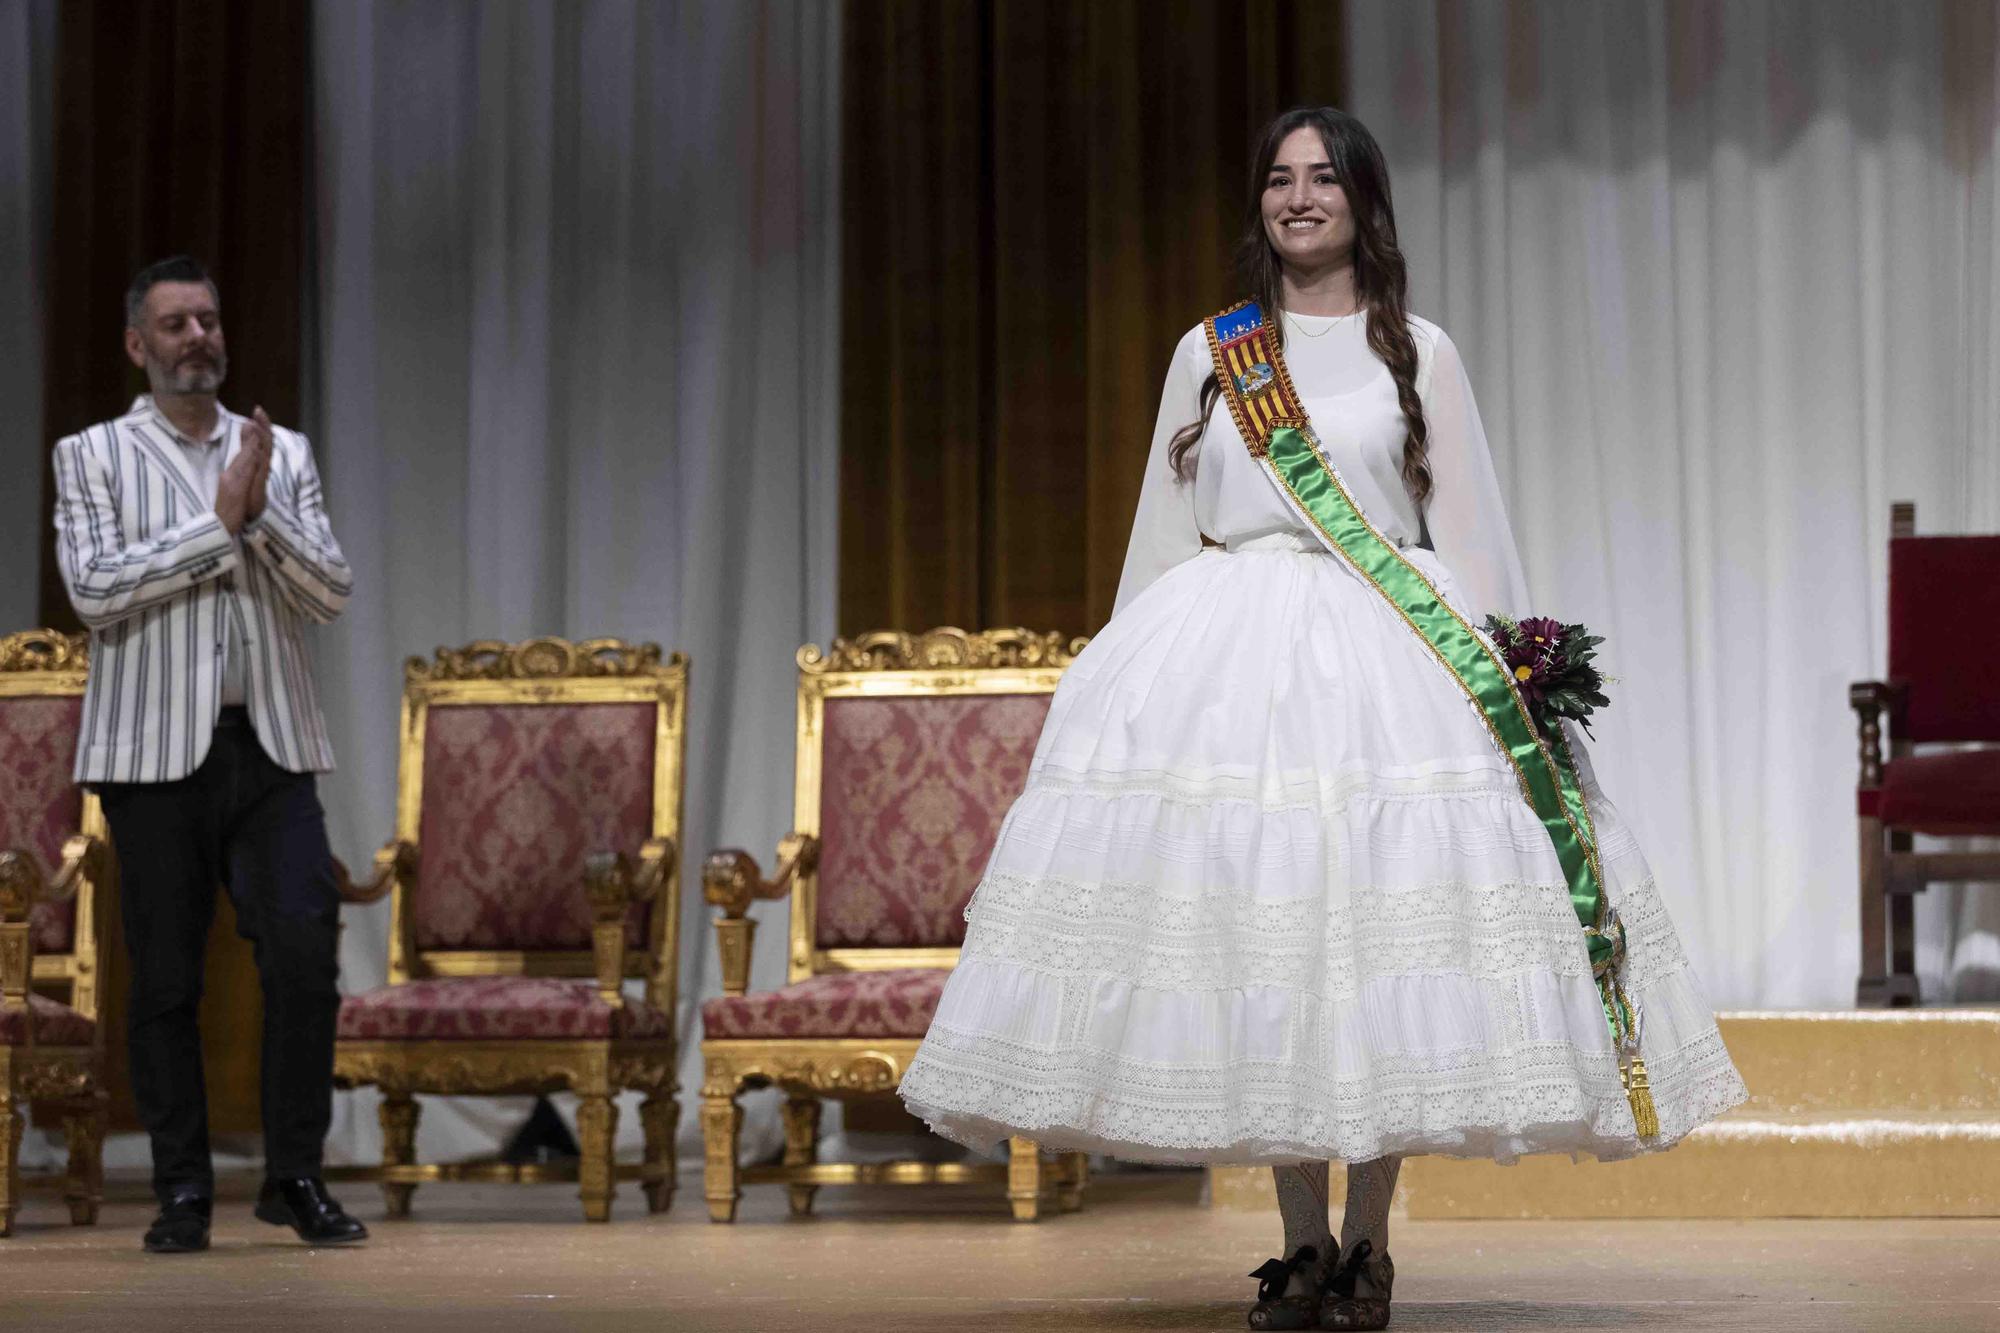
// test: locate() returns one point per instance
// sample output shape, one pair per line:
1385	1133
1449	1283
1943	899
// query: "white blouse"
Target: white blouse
1351	398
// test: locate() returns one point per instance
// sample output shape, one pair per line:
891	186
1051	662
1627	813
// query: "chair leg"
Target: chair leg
1024	1178
596	1130
1903	950
1075	1175
83	1126
801	1115
398	1113
1902	935
660	1116
721	1129
1871	988
13	1115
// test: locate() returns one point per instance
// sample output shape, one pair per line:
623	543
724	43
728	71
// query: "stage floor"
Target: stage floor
1143	1255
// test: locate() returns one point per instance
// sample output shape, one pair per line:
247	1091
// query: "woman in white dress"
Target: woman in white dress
1273	893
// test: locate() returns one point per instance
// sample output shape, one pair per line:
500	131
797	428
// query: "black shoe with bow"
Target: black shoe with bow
182	1226
1357	1294
1277	1306
304	1205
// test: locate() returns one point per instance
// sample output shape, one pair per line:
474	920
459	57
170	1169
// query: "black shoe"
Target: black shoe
305	1206
182	1226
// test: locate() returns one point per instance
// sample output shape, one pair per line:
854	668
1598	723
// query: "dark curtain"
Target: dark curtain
181	127
1038	198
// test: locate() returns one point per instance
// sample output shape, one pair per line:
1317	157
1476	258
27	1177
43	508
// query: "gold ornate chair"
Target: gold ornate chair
911	749
54	869
534	870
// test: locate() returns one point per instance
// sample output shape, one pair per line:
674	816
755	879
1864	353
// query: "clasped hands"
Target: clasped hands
239	496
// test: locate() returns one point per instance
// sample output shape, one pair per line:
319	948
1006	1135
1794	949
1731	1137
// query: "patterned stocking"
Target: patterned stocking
1302	1203
1370	1188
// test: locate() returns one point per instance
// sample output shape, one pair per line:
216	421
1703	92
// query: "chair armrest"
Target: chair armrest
22	885
395	864
614	881
731	880
1870	699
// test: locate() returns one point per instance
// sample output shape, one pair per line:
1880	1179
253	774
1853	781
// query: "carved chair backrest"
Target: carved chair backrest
1944	633
42	675
519	761
911	750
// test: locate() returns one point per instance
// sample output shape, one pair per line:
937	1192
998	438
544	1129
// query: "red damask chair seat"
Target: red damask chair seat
894	1003
55	1024
495	1009
1943	794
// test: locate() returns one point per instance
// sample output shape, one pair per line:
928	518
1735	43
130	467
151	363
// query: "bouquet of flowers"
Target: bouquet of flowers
1552	668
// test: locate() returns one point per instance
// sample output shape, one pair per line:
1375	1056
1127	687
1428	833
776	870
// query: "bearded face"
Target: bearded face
177	339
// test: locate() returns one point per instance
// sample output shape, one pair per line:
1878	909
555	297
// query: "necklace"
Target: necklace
1303	333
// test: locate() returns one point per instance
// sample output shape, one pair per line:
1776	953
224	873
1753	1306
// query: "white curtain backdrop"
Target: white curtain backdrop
576	375
27	125
1725	277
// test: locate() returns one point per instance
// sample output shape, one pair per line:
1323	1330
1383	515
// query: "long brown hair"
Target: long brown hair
1381	282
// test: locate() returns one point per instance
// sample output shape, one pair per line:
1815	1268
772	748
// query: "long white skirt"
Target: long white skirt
1271	893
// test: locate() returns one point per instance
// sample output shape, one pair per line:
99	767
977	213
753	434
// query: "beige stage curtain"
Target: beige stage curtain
1727	280
1038	199
575	364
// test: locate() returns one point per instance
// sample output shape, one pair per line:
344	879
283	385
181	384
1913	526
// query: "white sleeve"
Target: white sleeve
293	537
1164	531
109	578
1466	517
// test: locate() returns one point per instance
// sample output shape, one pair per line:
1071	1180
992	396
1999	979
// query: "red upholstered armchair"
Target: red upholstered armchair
54	872
911	749
1944	637
534	871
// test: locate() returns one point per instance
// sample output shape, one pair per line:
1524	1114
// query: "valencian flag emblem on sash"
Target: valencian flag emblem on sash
1250	370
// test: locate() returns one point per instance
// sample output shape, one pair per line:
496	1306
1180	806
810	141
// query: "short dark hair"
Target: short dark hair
177	268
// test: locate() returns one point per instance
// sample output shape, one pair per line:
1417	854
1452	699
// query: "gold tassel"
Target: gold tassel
1640	1093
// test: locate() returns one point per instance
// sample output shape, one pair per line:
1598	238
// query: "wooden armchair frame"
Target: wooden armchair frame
65	1080
807	1070
1892	871
539	671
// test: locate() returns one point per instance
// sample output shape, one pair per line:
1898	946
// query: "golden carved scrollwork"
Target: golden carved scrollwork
475	1067
828	1069
895	650
57	1078
20	884
647	1073
391	1074
613	882
547	658
523	1066
44	650
732	880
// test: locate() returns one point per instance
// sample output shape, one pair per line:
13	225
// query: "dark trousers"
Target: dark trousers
241	821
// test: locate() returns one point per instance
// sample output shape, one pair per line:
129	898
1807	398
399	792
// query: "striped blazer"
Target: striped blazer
153	572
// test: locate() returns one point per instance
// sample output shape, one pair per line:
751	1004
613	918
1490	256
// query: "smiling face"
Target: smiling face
177	339
1306	217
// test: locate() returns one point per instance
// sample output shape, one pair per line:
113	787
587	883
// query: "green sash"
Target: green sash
1250	369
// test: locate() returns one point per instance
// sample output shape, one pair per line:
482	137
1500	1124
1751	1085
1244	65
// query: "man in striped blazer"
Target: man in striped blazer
195	545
